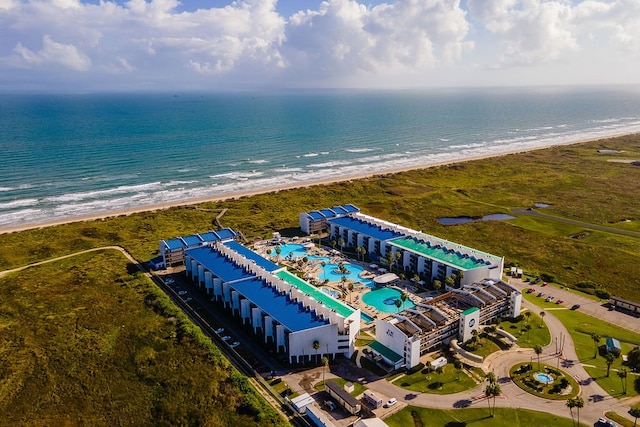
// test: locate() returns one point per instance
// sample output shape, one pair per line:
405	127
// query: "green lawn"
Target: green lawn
581	326
477	417
613	384
528	338
483	347
450	381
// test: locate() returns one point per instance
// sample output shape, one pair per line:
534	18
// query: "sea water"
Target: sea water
66	156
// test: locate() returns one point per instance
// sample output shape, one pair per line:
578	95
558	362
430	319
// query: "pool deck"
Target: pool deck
313	270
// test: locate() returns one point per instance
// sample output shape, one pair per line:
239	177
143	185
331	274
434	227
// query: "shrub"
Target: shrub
416	368
547	277
601	293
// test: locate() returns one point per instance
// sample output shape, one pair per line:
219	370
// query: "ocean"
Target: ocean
66	156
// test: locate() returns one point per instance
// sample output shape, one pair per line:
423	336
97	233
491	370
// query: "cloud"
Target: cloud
247	43
533	32
65	55
344	36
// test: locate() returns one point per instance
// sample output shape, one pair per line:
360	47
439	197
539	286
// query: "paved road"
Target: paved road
597	400
587	305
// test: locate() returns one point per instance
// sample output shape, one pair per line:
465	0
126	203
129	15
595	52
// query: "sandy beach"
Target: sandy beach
273	189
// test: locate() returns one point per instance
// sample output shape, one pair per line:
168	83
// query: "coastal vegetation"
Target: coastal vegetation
577	182
95	335
90	340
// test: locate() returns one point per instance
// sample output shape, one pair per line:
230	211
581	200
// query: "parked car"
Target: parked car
234	344
575	306
391	402
226	338
181	291
544	284
330	405
530	290
606	422
169	281
559	301
187	299
540	294
219	331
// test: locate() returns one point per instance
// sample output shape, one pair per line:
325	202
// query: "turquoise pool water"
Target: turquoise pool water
544	378
366	318
384	300
297	250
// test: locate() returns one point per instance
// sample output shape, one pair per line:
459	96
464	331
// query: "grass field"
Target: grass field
81	345
450	381
412	416
578	183
538	334
61	322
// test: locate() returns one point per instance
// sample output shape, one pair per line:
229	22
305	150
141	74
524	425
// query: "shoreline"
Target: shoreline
275	189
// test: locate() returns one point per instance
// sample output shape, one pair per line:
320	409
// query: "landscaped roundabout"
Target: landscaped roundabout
544	381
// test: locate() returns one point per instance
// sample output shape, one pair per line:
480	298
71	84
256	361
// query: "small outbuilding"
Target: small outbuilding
613	346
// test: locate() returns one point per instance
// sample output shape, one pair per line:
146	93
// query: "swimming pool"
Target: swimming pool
385	300
331	292
366	318
296	250
544	378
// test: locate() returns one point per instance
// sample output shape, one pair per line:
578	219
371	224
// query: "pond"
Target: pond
466	219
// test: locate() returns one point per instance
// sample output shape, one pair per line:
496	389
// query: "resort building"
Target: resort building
172	250
431	323
414	252
316	221
293	316
617	303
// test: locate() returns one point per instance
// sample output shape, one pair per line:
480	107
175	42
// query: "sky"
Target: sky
170	45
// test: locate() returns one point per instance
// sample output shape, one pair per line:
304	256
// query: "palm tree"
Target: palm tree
492	391
325	363
397	259
403	297
437	285
609	358
269	252
571	403
622	373
341	243
398	304
527	314
579	404
316	347
538	350
491	377
439	371
324	273
596	340
458	365
278	252
333	244
350	286
450	281
635	412
528	328
542	314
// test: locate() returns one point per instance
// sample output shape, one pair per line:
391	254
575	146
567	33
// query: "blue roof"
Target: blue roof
174	244
315	215
613	343
366	228
192	240
226	233
249	254
209	236
218	264
339	210
278	305
327	213
351	208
